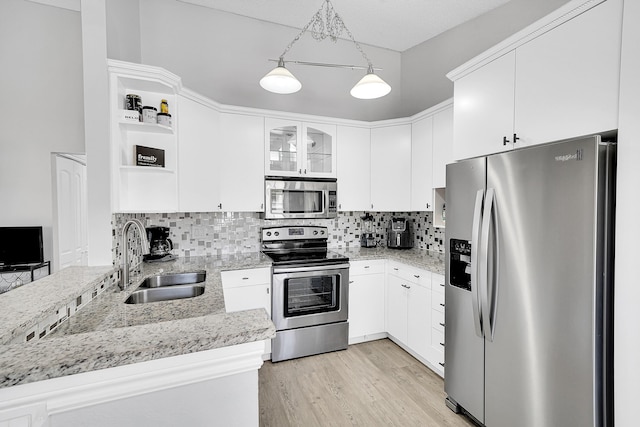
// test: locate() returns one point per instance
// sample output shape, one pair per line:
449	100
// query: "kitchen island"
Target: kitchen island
111	353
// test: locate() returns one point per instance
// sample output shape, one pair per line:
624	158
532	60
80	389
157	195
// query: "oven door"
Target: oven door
309	296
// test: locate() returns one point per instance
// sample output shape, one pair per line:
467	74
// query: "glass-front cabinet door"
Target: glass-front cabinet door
300	149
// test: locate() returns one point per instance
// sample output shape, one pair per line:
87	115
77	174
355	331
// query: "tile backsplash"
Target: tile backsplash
221	233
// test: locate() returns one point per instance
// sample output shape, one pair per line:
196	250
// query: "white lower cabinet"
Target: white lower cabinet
248	289
366	301
415	313
409	308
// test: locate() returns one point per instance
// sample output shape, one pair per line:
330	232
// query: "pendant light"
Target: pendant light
325	23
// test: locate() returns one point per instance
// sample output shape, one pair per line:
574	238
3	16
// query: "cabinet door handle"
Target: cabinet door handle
442	304
366	266
441	324
220	206
350	281
427	205
442	344
340	206
305	171
300	171
371	205
442	284
261	206
515	138
505	140
267	291
441	364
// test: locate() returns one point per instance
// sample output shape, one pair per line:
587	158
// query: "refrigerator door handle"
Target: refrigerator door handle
483	268
475	240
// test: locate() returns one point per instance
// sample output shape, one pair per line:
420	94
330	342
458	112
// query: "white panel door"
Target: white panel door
354	168
391	168
483	109
419	320
71	213
567	79
421	165
442	146
366	305
396	309
242	163
198	173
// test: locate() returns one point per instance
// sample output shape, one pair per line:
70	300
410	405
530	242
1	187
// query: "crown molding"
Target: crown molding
543	25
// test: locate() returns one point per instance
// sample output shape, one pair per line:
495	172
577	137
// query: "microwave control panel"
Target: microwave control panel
460	264
333	202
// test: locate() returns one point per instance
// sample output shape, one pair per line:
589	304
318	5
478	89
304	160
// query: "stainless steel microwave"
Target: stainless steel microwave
300	198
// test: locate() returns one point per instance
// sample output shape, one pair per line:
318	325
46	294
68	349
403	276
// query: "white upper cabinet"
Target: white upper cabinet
198	160
300	149
421	165
354	168
559	82
391	168
442	146
483	109
241	167
567	80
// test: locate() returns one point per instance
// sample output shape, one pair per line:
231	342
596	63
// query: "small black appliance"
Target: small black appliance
160	245
399	234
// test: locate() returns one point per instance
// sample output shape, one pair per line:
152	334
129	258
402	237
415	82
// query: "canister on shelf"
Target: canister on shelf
164	119
164	106
133	102
149	114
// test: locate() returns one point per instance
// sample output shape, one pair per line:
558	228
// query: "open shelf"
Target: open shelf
439	199
145	127
145	169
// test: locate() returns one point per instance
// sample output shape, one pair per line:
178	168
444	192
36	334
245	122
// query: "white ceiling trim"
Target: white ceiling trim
63	4
391	24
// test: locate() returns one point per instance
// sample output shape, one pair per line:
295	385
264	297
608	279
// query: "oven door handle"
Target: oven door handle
323	268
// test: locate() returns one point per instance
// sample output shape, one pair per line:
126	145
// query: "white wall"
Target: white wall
41	107
424	67
627	291
123	30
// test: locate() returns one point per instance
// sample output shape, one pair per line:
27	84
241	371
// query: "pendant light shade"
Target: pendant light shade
325	23
370	87
280	80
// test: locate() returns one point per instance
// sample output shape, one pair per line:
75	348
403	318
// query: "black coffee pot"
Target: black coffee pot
159	242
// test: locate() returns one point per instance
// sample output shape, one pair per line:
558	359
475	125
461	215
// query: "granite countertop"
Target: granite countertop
107	333
420	258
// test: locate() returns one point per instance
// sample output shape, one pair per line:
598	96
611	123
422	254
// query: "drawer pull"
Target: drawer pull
417	276
441	304
245	278
366	266
441	364
395	268
441	324
405	286
350	281
442	284
442	344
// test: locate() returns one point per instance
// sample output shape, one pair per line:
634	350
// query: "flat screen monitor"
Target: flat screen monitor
21	245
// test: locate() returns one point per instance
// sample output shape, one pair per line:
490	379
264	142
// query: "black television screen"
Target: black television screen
21	245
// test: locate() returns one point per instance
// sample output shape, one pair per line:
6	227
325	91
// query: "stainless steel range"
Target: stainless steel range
310	298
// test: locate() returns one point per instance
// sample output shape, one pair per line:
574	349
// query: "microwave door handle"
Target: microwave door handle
475	246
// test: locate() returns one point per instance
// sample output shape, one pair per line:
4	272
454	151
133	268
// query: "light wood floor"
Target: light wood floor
369	384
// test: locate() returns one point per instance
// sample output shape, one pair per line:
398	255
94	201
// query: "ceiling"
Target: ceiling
392	24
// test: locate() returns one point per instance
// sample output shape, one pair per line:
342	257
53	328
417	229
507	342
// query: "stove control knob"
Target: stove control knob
268	233
315	232
322	231
277	233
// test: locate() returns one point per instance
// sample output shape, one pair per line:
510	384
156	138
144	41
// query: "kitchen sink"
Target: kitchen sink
164	293
173	279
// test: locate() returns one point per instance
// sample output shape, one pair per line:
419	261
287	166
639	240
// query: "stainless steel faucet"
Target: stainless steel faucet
124	279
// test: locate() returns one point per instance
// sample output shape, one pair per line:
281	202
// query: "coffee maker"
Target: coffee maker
399	234
160	245
368	234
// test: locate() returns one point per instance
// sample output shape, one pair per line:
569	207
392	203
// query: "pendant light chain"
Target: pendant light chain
331	25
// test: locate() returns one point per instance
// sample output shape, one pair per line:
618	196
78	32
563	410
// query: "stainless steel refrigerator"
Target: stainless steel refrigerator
529	285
